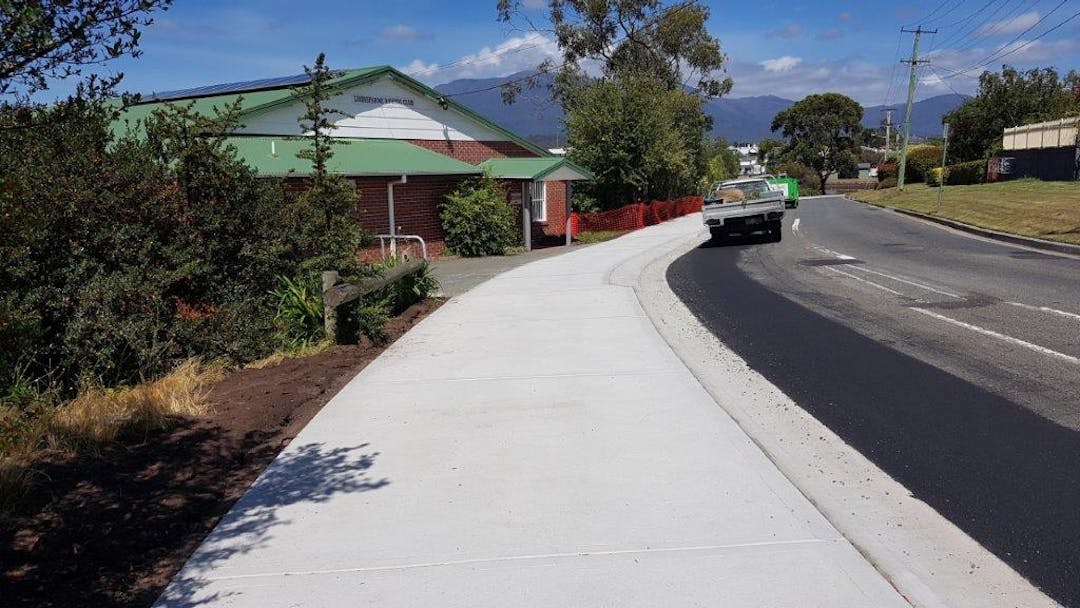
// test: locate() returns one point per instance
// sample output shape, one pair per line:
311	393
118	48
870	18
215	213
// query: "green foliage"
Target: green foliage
56	39
635	37
1008	99
769	151
121	257
920	160
299	317
722	162
971	172
823	132
478	220
640	139
323	216
583	202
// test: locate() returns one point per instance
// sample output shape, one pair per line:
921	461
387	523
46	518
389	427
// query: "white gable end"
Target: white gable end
381	109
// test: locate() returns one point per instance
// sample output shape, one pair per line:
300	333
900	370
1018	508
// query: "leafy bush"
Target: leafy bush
122	256
299	318
972	172
478	220
920	160
887	170
583	202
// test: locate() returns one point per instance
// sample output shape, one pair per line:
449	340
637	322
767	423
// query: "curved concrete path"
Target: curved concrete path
534	442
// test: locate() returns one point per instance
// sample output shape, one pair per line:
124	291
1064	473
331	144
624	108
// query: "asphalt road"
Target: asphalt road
953	363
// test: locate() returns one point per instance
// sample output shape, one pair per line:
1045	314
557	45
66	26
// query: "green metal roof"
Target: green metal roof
256	101
535	168
276	156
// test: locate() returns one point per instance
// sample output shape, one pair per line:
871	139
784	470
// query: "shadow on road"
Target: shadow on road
737	240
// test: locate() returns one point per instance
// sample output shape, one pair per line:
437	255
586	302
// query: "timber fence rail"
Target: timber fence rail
335	295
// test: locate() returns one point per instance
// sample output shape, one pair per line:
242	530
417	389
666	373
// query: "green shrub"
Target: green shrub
972	172
299	318
478	220
920	160
933	177
583	202
121	256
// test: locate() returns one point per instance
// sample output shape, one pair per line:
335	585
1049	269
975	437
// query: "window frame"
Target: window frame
538	203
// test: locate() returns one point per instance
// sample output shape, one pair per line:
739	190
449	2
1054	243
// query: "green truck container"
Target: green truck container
789	185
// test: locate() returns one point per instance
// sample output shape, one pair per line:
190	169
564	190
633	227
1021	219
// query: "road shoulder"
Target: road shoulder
929	560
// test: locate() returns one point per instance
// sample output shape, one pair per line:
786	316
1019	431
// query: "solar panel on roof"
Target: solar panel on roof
229	88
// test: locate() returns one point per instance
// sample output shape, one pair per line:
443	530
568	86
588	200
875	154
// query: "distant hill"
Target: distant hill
737	119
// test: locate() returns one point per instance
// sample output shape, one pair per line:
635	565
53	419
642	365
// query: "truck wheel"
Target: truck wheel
718	234
776	232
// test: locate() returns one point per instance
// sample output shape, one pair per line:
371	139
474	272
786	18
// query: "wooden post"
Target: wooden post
329	279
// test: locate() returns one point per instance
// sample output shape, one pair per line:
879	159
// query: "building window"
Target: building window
539	201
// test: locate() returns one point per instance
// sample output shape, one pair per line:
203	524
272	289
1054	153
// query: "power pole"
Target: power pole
888	131
941	187
914	61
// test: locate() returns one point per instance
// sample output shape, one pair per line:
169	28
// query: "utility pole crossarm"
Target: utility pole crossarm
914	61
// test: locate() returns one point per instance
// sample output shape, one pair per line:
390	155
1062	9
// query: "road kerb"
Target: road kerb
925	557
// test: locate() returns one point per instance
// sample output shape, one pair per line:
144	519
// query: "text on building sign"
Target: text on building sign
383	100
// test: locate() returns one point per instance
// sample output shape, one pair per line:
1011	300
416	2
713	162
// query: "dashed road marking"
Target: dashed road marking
999	336
1054	311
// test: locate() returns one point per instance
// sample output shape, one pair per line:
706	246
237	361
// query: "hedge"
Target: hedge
960	174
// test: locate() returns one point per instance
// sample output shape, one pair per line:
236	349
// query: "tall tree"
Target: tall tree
822	132
645	37
656	63
1008	99
57	39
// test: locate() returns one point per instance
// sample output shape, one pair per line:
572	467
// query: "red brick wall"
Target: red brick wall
416	204
473	152
556	209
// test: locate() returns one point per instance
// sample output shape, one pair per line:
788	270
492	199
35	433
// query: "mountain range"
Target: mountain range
736	119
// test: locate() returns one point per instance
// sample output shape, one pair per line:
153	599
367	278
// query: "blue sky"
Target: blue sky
784	48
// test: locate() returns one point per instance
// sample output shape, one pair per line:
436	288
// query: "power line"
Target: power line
1018	10
996	54
914	61
960	33
927	18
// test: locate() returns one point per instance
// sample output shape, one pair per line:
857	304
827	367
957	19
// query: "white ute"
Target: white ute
743	206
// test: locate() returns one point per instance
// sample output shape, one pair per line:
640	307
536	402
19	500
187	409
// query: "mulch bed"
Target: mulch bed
112	529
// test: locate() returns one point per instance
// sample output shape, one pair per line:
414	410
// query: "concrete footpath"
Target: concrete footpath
534	442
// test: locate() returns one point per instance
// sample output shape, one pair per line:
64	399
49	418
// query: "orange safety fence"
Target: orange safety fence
634	215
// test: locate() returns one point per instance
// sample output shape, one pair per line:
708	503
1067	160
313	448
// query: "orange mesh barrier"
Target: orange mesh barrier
634	215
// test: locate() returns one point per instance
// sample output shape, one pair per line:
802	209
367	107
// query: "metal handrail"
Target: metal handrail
400	237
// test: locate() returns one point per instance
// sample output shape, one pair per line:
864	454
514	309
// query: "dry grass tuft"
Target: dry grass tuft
98	415
95	418
282	355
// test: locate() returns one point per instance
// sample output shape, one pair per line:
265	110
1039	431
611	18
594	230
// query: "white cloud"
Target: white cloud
510	56
781	64
1011	26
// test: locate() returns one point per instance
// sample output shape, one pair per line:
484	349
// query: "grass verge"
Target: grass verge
1028	207
598	236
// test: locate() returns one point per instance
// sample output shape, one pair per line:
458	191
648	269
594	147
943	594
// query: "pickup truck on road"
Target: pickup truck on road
744	206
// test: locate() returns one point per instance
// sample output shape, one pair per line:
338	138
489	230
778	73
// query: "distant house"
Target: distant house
404	145
748	159
1046	150
865	171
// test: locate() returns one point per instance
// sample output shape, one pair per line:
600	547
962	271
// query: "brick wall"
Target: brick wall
556	210
416	204
473	152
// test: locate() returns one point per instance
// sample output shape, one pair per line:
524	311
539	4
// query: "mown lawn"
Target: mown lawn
1046	210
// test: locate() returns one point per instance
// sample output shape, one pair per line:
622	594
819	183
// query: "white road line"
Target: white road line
835	254
994	334
862	280
908	281
1054	311
795	225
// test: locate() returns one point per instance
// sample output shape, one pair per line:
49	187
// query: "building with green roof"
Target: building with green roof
404	144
